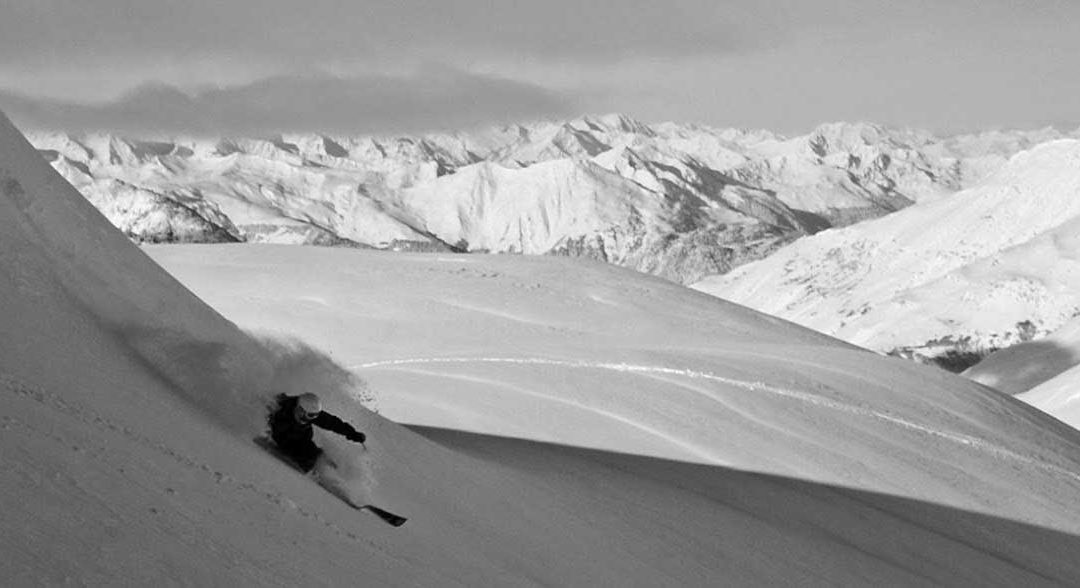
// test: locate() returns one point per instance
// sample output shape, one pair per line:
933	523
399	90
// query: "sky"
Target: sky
263	66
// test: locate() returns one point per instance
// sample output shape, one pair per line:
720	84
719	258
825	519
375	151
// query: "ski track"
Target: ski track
813	399
689	448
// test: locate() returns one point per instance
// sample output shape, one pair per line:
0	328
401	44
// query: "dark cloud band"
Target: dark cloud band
436	98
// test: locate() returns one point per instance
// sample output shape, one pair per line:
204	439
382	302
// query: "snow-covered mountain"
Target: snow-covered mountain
988	267
129	408
675	200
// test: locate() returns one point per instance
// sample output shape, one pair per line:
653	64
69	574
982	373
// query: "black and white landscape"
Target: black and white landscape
584	349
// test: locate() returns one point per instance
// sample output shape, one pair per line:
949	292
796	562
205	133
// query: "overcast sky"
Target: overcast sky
262	66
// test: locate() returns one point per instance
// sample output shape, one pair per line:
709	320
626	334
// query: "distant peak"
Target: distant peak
617	122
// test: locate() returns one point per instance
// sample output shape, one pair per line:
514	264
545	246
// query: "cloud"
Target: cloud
318	30
432	98
34	33
776	63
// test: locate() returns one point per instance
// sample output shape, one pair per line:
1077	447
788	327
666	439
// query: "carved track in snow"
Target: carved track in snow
976	443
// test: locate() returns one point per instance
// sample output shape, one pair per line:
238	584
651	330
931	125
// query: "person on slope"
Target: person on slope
291	429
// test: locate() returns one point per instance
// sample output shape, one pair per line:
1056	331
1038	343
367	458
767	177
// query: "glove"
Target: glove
357	437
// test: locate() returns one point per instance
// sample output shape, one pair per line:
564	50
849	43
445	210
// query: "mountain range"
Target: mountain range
675	200
951	280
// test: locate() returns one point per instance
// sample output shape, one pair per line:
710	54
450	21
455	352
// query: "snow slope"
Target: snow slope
595	356
1043	373
129	405
1024	366
1057	396
985	268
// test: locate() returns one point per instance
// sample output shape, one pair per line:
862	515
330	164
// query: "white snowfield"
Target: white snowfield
985	268
580	354
129	406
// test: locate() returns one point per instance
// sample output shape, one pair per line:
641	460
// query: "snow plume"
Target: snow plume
300	368
235	381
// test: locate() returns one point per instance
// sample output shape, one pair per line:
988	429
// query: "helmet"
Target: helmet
308	407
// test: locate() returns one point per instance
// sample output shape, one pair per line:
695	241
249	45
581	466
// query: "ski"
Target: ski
387	516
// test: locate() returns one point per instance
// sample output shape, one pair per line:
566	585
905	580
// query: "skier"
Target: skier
291	428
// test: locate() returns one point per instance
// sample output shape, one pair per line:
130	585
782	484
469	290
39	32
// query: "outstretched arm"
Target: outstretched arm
330	422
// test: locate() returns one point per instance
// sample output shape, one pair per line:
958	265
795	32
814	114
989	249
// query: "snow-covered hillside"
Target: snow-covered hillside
1023	366
986	268
1043	373
129	407
674	200
595	356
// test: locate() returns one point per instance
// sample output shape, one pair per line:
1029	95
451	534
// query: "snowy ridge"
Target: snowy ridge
985	268
704	200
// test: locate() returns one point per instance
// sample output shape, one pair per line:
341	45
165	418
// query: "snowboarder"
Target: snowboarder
291	424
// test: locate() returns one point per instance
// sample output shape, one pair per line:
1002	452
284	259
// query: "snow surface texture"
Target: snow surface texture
128	404
986	268
594	356
677	201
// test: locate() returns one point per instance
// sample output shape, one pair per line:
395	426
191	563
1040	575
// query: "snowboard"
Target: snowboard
386	516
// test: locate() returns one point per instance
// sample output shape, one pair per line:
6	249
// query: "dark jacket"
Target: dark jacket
296	438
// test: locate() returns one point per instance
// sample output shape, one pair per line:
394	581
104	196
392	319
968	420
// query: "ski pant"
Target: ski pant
304	454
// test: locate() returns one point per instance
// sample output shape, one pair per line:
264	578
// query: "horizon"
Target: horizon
28	124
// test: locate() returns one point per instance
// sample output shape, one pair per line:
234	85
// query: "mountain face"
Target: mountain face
953	279
679	201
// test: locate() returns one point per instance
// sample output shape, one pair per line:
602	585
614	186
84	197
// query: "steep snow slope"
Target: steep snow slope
487	207
578	208
985	268
124	435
